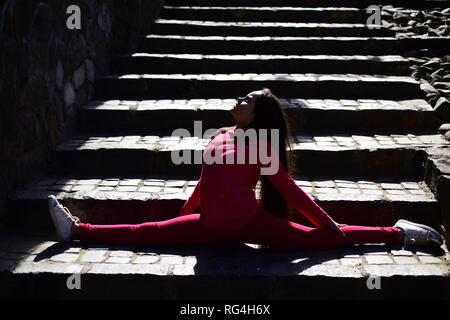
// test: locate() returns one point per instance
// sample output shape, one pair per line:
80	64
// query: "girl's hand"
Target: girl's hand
336	227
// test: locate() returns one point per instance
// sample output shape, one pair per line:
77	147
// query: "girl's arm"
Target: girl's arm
295	195
193	202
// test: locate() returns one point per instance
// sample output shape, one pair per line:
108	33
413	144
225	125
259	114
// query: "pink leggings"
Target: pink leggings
264	229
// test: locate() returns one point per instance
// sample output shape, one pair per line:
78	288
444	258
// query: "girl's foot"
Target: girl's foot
64	222
418	234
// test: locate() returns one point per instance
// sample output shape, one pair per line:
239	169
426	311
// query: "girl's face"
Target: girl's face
244	109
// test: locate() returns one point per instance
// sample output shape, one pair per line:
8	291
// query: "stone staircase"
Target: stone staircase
364	139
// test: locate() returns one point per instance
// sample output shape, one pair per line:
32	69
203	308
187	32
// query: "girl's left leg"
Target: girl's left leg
266	229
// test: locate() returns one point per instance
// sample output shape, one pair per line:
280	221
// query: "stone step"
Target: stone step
151	116
35	265
271	29
290	45
288	3
163	63
193	86
117	199
339	154
267	14
435	45
154	43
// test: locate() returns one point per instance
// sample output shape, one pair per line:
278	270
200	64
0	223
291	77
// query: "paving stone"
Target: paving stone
146	259
326	190
396	191
120	253
172	190
65	257
401	253
373	249
429	259
82	188
378	259
93	256
105	188
411	185
391	186
118	260
417	192
109	183
180	183
119	268
365	186
334	270
89	182
405	260
350	190
168	259
351	261
420	252
373	192
325	184
404	270
130	182
42	267
152	183
126	188
192	260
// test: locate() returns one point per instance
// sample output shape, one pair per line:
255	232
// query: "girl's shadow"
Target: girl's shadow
243	259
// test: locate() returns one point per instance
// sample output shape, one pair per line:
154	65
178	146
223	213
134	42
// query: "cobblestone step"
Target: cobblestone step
288	3
273	14
154	43
151	116
116	199
222	64
271	29
322	86
289	45
37	262
363	154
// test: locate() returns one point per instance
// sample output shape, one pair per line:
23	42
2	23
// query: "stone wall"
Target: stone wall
48	70
430	66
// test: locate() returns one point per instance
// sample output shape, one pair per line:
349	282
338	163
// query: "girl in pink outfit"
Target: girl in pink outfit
223	207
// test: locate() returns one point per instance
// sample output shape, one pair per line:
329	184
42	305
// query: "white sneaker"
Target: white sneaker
62	219
418	234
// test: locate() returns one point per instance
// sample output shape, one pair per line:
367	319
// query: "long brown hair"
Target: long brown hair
269	114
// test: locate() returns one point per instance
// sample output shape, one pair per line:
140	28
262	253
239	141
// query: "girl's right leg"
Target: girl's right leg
188	229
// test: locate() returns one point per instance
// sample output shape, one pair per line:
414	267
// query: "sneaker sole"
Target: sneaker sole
52	215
